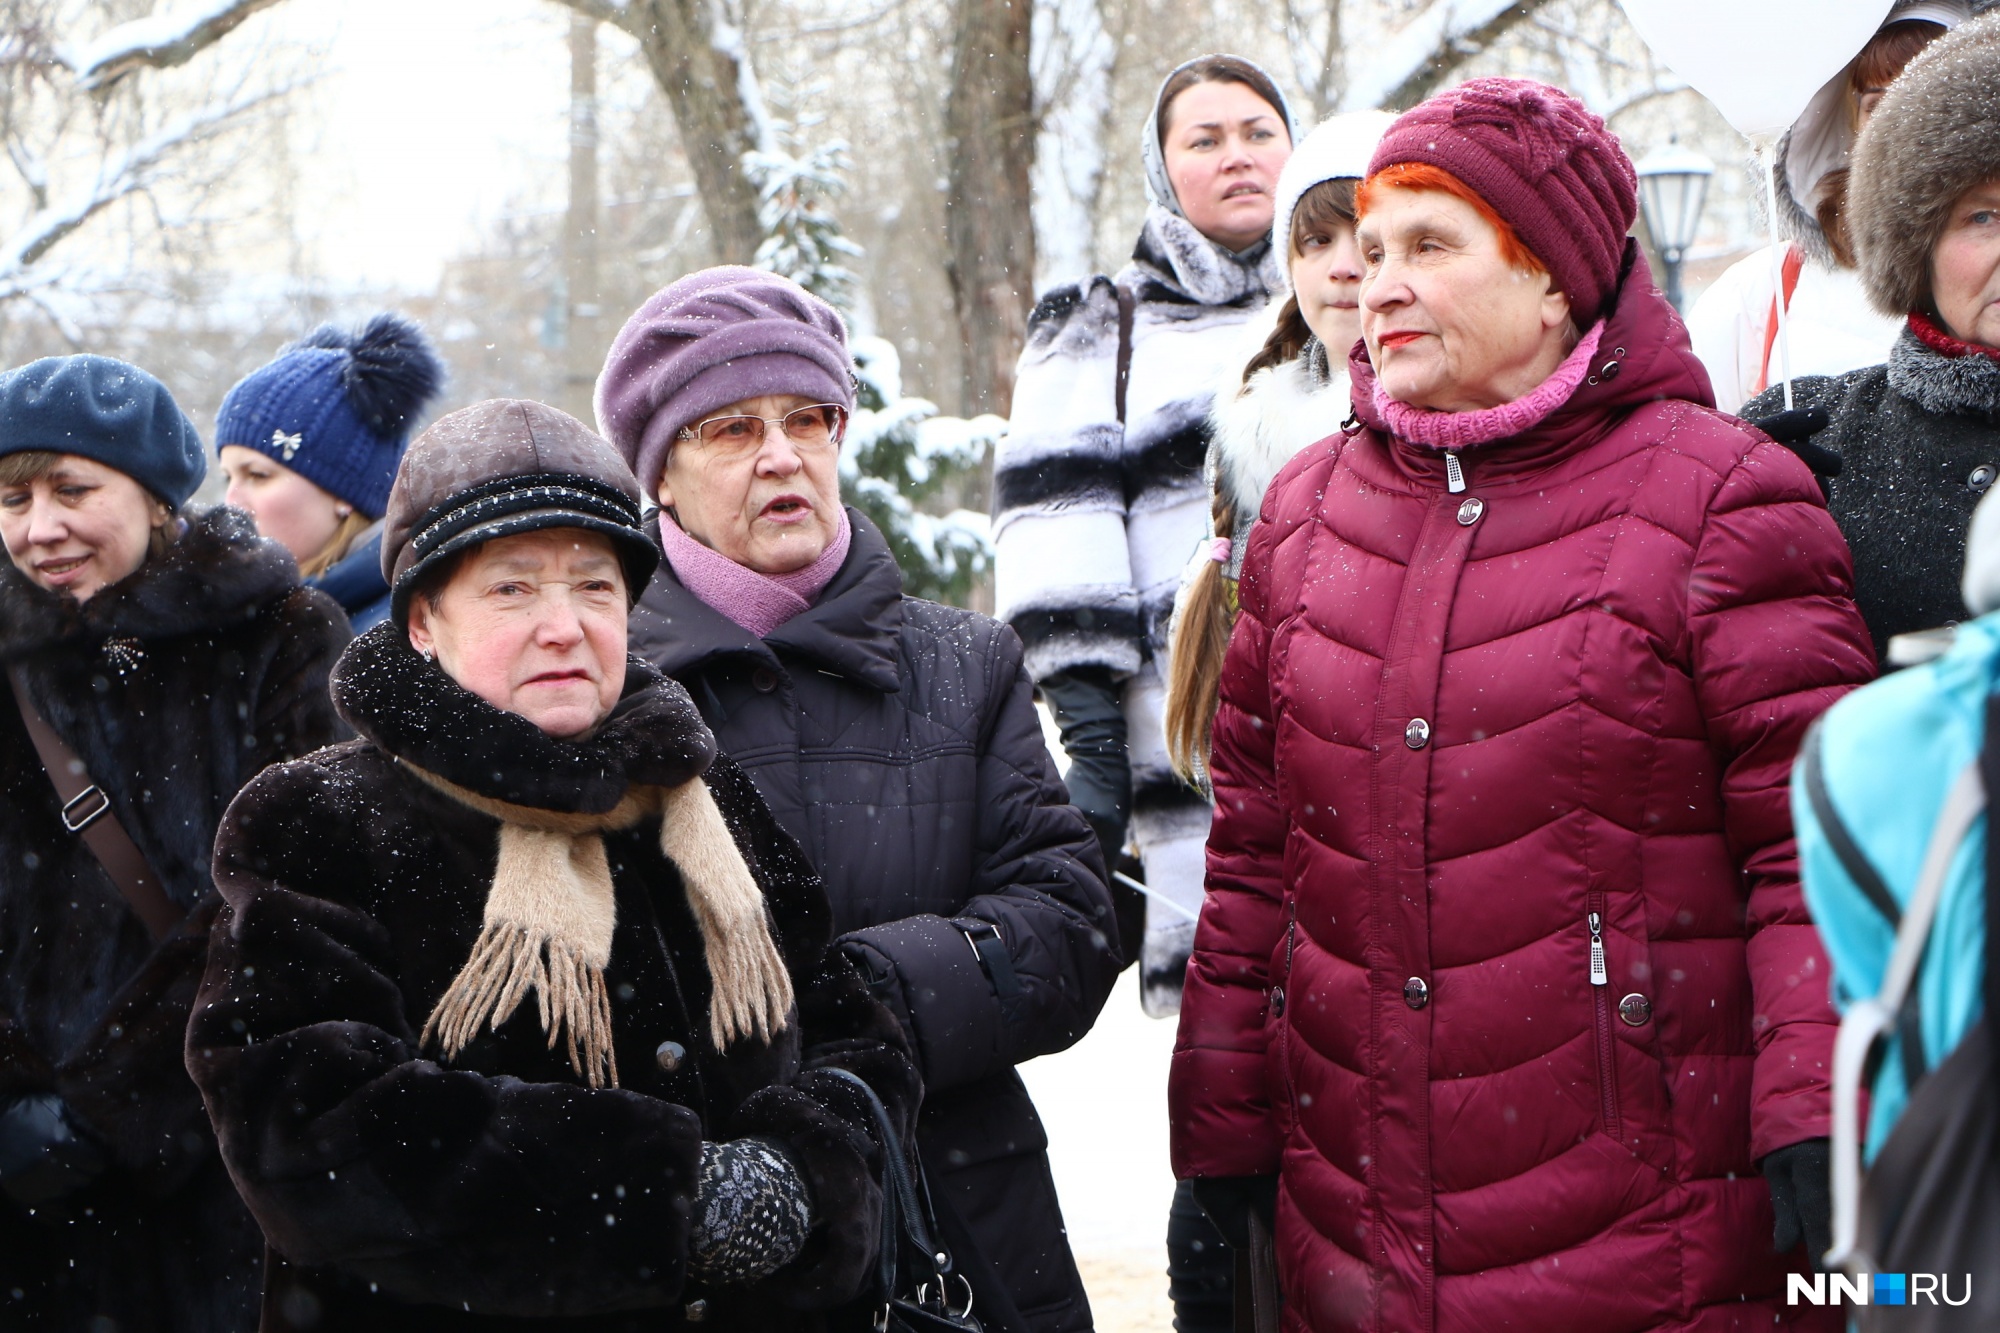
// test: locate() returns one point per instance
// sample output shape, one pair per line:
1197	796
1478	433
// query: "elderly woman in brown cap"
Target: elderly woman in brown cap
669	1131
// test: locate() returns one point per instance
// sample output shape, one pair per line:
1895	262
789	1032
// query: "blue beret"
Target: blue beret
107	411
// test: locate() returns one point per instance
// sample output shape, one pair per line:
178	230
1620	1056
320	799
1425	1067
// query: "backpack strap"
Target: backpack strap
1869	1020
1846	850
86	812
1795	262
1128	302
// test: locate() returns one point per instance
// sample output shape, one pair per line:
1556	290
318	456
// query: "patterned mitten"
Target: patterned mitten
751	1212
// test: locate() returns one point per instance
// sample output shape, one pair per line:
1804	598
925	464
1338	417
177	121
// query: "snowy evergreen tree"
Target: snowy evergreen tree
796	187
901	454
902	461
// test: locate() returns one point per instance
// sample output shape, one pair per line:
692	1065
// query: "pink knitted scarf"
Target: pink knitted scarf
758	602
1461	430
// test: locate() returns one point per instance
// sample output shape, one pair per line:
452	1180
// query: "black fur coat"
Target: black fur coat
406	1192
174	687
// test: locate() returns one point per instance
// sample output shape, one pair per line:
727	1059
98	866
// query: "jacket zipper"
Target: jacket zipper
1281	1002
1454	473
1600	994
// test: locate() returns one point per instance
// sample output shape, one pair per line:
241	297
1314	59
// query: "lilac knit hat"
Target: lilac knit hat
1545	163
714	338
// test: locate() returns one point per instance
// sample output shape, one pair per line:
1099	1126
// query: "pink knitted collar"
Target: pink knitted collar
1462	430
757	602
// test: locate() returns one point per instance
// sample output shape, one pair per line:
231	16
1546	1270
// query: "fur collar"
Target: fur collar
1172	254
1943	384
410	709
1257	431
218	574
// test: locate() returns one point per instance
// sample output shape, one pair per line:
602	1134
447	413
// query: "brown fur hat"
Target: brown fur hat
1935	136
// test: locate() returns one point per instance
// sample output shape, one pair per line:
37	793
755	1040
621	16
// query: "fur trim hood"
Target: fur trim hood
1256	426
409	708
1935	136
216	575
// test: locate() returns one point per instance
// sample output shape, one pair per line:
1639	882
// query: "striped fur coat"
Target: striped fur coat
1094	520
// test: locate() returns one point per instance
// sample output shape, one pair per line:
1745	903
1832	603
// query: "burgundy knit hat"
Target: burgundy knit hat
1546	165
714	338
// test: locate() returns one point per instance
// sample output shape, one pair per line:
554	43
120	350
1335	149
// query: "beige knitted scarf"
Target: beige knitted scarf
550	914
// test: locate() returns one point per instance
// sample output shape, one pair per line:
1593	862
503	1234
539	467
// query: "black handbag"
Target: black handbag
917	1287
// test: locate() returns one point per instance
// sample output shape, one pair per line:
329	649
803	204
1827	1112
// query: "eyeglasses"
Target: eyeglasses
821	426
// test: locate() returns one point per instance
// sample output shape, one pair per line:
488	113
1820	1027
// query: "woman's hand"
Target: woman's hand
752	1212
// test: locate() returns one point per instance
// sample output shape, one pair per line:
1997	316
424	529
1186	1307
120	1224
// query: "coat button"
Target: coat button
670	1055
1609	371
1418	734
1277	1001
1635	1010
695	1312
1982	476
1469	512
764	679
1415	993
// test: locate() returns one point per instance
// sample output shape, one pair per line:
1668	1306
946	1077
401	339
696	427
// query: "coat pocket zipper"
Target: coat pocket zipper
1281	1007
1600	997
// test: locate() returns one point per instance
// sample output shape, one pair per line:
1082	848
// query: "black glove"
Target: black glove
1794	429
1801	1179
44	1155
752	1212
1088	703
1229	1201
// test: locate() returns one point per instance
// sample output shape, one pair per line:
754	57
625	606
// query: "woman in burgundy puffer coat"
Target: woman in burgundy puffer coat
1504	971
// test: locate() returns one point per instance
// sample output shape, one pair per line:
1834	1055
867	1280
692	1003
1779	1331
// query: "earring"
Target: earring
430	655
343	512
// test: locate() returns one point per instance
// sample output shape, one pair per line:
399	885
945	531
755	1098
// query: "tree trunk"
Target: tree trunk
583	310
989	219
700	62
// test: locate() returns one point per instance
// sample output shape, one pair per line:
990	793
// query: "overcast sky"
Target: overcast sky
431	117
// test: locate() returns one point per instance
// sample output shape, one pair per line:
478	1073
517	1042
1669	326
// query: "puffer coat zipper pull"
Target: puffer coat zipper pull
1598	975
1454	473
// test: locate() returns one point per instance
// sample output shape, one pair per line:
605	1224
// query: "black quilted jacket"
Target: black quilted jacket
897	740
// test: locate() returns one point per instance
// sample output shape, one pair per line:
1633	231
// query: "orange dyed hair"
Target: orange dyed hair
1424	176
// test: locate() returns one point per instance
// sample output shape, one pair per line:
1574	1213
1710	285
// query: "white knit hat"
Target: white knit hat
1338	149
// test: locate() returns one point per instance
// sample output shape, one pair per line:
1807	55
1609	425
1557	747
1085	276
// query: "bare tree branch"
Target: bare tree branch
157	41
1422	57
135	170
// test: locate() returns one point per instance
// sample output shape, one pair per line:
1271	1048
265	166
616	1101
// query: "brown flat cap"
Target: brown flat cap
503	466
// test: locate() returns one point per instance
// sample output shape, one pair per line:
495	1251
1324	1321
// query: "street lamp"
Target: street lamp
1673	185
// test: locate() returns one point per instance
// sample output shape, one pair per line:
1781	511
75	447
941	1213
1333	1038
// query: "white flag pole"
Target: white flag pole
1778	300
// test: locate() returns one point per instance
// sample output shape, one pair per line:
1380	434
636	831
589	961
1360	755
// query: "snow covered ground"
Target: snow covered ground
1104	1101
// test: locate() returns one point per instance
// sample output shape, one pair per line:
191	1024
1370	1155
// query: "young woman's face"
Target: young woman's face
533	624
1326	275
771	505
1965	267
1451	324
80	527
1224	148
290	510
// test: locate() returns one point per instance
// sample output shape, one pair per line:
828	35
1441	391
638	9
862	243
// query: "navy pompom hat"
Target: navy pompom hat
107	411
337	408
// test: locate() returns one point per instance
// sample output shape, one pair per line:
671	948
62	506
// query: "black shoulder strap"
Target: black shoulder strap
1840	840
1845	849
1127	305
1989	770
86	812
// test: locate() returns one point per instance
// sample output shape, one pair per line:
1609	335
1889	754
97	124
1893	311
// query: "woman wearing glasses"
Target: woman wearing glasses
896	739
